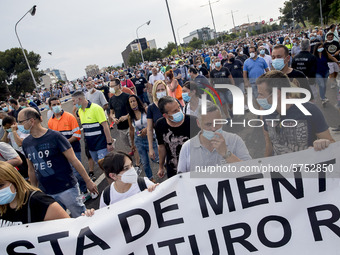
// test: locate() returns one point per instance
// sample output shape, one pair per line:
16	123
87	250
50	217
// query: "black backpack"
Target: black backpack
141	184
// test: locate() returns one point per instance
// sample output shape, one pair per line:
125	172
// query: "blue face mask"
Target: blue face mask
210	134
262	52
200	66
186	97
263	102
23	130
178	116
47	107
6	195
9	130
218	64
11	108
78	106
160	94
278	64
312	38
287	41
320	49
56	109
5	109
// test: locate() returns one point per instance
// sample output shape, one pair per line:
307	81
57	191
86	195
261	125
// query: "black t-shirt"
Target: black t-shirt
153	113
16	112
118	104
236	70
139	84
220	77
203	71
302	79
173	138
332	47
105	90
39	204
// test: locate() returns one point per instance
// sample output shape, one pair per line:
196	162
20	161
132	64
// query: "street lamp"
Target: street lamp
212	16
179	39
141	49
172	26
32	12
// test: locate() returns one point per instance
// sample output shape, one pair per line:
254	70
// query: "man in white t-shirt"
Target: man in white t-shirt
95	96
266	57
12	134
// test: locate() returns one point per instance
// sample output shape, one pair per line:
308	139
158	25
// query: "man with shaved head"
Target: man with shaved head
49	155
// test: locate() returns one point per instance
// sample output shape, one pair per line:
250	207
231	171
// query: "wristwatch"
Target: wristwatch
227	155
109	143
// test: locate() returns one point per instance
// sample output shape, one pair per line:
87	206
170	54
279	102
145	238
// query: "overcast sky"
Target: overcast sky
80	33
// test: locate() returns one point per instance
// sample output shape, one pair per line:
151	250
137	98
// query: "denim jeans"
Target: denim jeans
142	146
321	81
70	199
96	155
82	184
255	92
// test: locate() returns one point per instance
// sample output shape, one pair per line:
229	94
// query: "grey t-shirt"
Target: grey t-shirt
193	153
7	152
97	97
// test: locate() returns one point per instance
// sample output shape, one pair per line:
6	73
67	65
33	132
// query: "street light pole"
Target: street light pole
179	39
32	12
141	49
212	16
172	26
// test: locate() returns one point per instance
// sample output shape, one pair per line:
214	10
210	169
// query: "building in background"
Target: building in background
60	74
49	78
204	34
92	70
136	45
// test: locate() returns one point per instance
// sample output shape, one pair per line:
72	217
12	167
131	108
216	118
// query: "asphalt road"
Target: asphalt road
253	138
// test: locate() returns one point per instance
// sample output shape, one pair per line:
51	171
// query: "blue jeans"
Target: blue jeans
96	155
255	92
82	184
70	199
142	146
321	81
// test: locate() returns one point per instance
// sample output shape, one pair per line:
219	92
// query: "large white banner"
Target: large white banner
260	214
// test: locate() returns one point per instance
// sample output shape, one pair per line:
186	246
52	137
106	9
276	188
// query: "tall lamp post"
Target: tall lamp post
179	39
172	26
212	16
32	12
141	48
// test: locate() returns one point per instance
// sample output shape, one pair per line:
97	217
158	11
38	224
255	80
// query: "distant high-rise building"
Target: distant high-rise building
203	34
92	70
135	45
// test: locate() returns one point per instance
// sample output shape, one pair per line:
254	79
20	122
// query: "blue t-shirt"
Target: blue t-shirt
176	73
292	139
51	167
207	60
255	68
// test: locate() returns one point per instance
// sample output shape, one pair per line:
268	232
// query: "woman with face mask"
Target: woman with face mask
123	178
190	94
21	203
138	133
153	113
174	89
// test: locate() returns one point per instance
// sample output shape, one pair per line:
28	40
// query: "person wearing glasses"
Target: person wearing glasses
50	156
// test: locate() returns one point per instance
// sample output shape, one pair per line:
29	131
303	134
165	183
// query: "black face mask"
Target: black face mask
231	60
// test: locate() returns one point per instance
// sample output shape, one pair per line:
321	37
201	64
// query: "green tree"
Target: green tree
14	74
134	58
300	9
167	50
195	43
335	10
152	54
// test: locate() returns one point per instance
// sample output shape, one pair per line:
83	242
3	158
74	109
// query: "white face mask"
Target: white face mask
112	90
130	176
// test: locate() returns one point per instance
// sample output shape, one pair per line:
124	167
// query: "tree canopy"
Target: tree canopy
14	74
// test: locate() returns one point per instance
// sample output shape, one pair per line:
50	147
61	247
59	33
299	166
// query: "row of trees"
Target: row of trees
14	75
309	10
